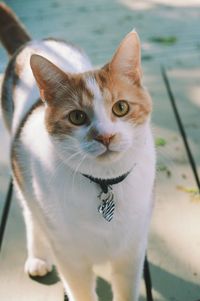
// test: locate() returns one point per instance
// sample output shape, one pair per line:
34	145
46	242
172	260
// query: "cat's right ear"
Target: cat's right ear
48	77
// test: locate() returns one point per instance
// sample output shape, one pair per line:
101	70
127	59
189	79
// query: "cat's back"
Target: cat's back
19	91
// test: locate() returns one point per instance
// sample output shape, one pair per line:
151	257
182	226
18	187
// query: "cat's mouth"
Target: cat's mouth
108	155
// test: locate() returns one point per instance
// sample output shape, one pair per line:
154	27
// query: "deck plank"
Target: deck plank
175	236
185	82
15	284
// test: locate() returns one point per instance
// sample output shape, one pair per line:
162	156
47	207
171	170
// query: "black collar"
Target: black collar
105	183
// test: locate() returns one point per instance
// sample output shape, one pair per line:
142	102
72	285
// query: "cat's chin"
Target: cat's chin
109	164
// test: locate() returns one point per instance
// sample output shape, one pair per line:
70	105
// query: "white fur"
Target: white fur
102	121
61	205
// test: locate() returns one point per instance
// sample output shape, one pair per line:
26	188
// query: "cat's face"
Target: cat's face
95	115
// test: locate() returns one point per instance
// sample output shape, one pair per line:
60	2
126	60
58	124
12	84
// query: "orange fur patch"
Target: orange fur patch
114	89
17	169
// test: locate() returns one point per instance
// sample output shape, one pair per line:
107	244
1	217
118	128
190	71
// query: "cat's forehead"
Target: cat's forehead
99	100
93	88
100	91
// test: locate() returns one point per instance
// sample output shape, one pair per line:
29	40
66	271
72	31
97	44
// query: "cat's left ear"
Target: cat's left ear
126	62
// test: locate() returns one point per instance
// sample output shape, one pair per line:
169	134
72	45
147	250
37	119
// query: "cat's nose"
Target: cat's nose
104	139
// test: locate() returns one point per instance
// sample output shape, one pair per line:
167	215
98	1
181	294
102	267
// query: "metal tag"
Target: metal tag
107	206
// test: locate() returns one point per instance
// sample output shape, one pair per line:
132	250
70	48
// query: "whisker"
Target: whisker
54	174
61	163
77	169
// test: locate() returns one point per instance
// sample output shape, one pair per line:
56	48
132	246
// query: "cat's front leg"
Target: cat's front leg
126	277
38	262
79	281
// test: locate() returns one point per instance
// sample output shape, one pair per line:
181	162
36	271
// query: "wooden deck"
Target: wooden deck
98	26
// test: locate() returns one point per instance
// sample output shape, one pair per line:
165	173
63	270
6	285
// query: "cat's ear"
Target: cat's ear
126	61
48	76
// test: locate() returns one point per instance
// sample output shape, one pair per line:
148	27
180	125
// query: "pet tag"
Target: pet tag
107	206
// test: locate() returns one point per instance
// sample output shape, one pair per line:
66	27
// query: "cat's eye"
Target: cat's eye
120	108
78	117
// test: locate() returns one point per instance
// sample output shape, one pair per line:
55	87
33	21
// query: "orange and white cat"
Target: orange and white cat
76	131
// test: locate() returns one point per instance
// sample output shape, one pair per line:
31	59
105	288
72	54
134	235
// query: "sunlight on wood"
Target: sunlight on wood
149	4
194	94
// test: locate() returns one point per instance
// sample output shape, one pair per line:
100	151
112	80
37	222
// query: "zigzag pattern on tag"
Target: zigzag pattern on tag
107	207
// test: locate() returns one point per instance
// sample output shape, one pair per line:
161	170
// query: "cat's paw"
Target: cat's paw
37	267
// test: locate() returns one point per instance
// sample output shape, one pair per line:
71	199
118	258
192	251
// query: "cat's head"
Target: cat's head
96	118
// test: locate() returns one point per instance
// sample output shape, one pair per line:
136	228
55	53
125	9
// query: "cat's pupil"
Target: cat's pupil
78	115
121	106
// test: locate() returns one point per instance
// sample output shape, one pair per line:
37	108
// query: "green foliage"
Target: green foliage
163	168
167	40
160	142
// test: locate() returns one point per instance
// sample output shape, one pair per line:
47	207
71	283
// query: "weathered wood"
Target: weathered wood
14	283
175	235
185	82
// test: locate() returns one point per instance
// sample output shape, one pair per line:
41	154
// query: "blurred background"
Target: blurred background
170	37
168	28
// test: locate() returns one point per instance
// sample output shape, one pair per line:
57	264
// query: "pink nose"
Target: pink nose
104	139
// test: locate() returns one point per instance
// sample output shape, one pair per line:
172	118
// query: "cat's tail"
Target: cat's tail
12	33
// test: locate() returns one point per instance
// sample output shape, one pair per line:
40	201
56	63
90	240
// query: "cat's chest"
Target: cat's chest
68	195
72	199
80	223
70	205
78	199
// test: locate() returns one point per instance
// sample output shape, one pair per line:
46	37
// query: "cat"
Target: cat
83	159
